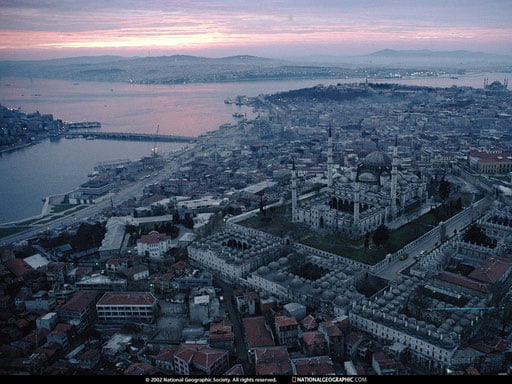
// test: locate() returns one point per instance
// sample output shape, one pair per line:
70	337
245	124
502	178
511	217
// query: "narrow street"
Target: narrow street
241	352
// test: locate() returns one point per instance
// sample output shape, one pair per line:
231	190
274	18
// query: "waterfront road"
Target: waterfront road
132	190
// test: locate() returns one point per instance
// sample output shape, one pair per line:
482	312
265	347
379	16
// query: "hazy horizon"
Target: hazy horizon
274	29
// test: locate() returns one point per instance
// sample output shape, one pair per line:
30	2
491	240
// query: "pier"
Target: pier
130	136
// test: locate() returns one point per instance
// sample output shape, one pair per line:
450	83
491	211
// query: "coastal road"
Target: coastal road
124	194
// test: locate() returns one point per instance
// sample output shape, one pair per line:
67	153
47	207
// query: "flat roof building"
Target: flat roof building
124	306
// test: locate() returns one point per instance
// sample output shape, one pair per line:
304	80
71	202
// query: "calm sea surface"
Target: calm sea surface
30	174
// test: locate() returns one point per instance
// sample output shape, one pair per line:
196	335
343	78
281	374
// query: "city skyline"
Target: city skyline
285	29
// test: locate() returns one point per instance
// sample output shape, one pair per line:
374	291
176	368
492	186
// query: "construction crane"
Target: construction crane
155	149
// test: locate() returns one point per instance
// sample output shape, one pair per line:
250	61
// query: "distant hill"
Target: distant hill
181	69
426	53
159	69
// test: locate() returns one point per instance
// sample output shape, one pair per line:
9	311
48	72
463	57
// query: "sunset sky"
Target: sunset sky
34	29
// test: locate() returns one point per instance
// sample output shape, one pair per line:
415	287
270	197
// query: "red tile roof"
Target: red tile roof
492	157
330	329
256	332
140	369
385	362
496	344
285	321
309	323
127	298
202	356
179	265
235	370
167	354
153	238
472	371
462	281
206	357
80	300
18	267
186	352
221	330
61	329
320	365
130	272
313	338
353	338
491	270
272	361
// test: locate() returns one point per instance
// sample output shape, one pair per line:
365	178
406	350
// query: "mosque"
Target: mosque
359	200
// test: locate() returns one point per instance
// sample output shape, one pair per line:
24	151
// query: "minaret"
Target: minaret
394	178
356	209
294	191
329	159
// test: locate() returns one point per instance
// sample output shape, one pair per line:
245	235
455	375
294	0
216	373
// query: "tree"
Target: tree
188	222
367	240
262	211
476	235
381	235
444	189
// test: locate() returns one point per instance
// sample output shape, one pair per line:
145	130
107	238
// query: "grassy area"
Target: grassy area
416	228
4	232
28	222
61	208
53	216
276	221
78	208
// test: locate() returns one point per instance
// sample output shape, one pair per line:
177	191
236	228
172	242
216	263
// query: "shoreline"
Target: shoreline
47	206
21	146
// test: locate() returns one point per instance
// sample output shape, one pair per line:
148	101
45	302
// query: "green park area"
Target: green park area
9	231
276	221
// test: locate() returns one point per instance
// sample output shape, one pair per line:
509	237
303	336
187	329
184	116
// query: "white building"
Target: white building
155	245
125	306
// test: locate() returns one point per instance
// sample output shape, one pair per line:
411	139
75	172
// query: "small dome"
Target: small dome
338	300
273	265
296	283
368	177
280	277
328	295
283	261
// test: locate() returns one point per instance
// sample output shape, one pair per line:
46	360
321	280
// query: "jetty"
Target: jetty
130	136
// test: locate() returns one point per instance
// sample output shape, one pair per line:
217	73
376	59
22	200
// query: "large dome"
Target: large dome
377	159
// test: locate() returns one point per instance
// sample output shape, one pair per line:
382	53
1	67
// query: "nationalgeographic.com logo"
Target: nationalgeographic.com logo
329	379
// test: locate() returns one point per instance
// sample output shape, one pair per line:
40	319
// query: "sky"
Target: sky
42	29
